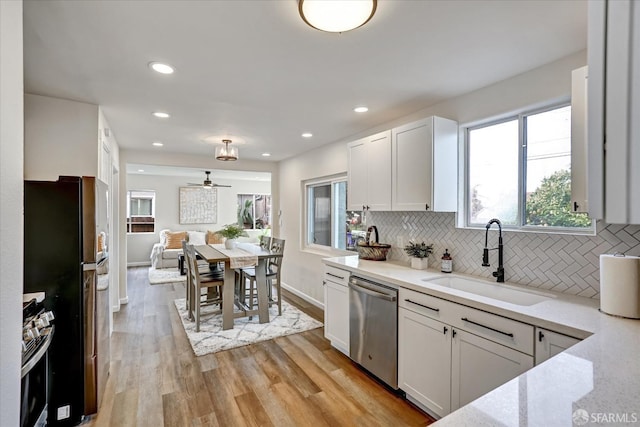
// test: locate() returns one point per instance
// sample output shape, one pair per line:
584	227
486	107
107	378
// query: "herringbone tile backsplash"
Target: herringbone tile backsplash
560	262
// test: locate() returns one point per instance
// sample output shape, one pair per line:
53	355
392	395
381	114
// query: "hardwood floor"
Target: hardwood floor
297	380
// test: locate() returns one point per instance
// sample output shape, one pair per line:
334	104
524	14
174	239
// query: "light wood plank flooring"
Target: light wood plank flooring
298	380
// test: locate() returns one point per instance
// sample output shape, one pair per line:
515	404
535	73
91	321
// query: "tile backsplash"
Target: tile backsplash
560	262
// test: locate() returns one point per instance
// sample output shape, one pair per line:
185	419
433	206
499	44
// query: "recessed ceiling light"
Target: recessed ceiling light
140	170
266	154
161	114
361	109
157	144
161	68
307	135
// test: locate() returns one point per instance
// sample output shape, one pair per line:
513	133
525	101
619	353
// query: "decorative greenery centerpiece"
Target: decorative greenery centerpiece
232	232
419	253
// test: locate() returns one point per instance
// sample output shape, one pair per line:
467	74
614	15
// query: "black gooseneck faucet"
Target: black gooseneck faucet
499	273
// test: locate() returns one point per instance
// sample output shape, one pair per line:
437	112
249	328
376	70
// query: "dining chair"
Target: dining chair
197	281
273	274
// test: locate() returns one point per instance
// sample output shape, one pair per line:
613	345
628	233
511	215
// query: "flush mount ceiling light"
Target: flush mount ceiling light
266	154
307	135
161	114
226	153
361	109
161	68
157	144
336	16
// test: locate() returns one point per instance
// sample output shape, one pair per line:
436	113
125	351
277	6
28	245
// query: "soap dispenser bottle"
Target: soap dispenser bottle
447	262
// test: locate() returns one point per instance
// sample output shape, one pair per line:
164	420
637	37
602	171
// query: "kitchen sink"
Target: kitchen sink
495	291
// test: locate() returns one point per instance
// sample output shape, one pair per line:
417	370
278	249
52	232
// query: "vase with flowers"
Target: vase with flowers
231	232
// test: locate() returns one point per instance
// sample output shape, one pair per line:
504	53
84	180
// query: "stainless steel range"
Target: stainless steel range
37	333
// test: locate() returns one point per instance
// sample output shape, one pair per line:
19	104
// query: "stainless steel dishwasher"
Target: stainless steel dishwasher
373	328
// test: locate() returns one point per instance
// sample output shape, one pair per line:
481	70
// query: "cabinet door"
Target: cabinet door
379	172
424	361
424	166
336	315
412	166
579	140
357	175
480	365
549	343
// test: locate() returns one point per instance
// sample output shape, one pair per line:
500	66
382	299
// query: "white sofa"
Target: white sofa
162	257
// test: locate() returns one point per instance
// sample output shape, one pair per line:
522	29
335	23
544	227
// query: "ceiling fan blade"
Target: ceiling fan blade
221	185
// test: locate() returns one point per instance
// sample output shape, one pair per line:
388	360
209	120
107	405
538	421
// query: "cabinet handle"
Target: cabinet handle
367	207
445	330
426	206
336	276
575	206
540	336
453	333
363	207
509	334
422	305
324	282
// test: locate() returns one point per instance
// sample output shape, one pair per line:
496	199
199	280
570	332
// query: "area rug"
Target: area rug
212	338
165	275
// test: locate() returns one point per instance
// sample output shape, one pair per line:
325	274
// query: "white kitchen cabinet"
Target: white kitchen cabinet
336	308
614	102
424	361
579	149
479	365
369	175
450	354
549	343
424	158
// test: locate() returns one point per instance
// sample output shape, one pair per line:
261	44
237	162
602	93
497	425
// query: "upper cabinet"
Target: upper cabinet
614	102
424	161
369	181
409	168
579	149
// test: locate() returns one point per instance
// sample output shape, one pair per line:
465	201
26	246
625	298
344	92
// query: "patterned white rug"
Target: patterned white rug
212	338
165	275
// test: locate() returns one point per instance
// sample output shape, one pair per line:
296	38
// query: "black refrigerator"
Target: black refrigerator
66	256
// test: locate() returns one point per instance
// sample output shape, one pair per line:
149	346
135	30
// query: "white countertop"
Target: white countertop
600	375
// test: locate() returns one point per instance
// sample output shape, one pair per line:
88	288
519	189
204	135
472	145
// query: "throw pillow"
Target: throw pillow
197	238
214	238
174	240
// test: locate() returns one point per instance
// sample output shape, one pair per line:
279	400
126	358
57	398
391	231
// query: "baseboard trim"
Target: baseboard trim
303	296
139	264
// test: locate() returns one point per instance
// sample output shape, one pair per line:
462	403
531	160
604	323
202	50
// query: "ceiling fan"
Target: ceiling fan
207	182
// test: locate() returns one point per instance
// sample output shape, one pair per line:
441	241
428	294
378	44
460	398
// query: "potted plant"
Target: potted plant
231	232
419	253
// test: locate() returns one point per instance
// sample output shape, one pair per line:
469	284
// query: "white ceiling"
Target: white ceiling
255	72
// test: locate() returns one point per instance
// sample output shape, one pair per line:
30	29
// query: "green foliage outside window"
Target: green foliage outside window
550	204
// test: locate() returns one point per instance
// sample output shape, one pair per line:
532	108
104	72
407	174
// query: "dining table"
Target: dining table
243	255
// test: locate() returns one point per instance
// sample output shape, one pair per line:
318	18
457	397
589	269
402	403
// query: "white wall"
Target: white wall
11	218
61	138
167	208
302	270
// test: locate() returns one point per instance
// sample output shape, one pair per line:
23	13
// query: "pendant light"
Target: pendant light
226	153
336	16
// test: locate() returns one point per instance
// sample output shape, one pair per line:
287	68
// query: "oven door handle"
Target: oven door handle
372	292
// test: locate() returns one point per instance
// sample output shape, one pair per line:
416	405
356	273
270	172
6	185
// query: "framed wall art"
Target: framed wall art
198	205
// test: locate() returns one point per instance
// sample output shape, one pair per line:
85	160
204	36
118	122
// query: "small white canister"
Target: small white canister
620	285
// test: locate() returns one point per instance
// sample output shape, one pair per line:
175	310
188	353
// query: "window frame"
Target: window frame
129	216
305	245
463	218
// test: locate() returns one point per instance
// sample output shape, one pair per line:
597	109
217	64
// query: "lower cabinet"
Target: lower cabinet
479	365
336	309
424	360
549	343
443	367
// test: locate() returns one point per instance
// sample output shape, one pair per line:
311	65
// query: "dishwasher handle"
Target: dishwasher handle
372	292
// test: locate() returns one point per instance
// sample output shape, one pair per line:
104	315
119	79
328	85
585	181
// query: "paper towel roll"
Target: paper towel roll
620	285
